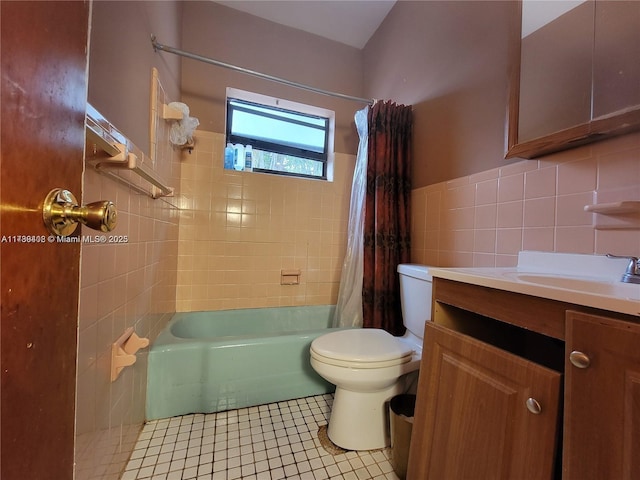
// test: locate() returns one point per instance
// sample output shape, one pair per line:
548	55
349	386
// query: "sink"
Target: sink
579	284
580	279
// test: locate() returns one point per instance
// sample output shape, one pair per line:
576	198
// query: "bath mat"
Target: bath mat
327	444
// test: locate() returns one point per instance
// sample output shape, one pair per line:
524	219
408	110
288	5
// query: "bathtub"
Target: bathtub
205	362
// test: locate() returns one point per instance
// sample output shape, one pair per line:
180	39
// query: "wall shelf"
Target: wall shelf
614	208
615	215
170	113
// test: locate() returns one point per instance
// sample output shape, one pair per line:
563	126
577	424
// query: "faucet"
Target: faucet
632	274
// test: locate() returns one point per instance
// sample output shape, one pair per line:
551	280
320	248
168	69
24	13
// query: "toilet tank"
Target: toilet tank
415	295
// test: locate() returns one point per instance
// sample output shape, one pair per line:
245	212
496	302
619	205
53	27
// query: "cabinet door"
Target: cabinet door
472	417
602	399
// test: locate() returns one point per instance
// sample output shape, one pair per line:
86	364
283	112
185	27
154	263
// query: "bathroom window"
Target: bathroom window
271	135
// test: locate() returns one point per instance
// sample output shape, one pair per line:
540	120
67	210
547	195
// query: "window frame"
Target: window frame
268	102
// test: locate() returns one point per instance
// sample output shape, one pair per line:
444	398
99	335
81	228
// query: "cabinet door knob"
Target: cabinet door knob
579	359
533	406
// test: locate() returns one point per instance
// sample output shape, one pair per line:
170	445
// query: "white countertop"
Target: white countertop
589	280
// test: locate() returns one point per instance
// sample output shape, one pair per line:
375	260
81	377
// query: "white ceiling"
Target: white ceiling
351	22
537	13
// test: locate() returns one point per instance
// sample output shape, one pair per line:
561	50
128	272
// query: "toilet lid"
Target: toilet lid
361	345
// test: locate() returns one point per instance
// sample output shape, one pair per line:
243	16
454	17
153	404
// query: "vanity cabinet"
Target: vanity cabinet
500	395
602	401
490	414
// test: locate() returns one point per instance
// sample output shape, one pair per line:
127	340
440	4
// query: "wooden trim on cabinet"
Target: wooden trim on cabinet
537	314
532	313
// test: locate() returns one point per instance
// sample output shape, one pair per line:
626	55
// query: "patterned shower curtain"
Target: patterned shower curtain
387	221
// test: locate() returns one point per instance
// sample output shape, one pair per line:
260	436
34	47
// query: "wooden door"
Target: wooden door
602	400
472	420
43	97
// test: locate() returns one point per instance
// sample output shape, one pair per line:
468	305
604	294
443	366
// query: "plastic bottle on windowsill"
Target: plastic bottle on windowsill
229	157
239	156
248	158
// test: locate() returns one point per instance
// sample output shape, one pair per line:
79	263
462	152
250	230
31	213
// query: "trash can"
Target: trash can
401	410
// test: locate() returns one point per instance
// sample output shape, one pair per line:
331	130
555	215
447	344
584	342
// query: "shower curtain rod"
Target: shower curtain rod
158	46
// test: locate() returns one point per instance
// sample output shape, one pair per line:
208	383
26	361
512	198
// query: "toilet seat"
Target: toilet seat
361	348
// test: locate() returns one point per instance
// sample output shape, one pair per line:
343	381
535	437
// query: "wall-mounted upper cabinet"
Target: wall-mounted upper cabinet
575	75
616	76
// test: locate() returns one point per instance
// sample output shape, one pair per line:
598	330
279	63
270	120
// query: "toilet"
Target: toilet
369	366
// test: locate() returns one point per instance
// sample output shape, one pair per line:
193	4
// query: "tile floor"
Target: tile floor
274	441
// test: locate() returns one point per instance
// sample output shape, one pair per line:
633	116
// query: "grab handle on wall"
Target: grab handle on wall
123	351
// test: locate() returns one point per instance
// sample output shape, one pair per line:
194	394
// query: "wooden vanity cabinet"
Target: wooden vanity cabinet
602	399
490	414
487	352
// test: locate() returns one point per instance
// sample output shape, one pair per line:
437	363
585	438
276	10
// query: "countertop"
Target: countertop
542	275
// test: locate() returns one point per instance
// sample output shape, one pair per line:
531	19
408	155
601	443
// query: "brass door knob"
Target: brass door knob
61	213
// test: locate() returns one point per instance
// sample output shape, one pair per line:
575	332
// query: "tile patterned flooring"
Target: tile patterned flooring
268	442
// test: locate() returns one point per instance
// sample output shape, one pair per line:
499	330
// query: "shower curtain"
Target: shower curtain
348	311
387	221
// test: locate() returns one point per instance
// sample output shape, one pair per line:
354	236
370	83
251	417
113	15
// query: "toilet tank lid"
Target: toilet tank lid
414	270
